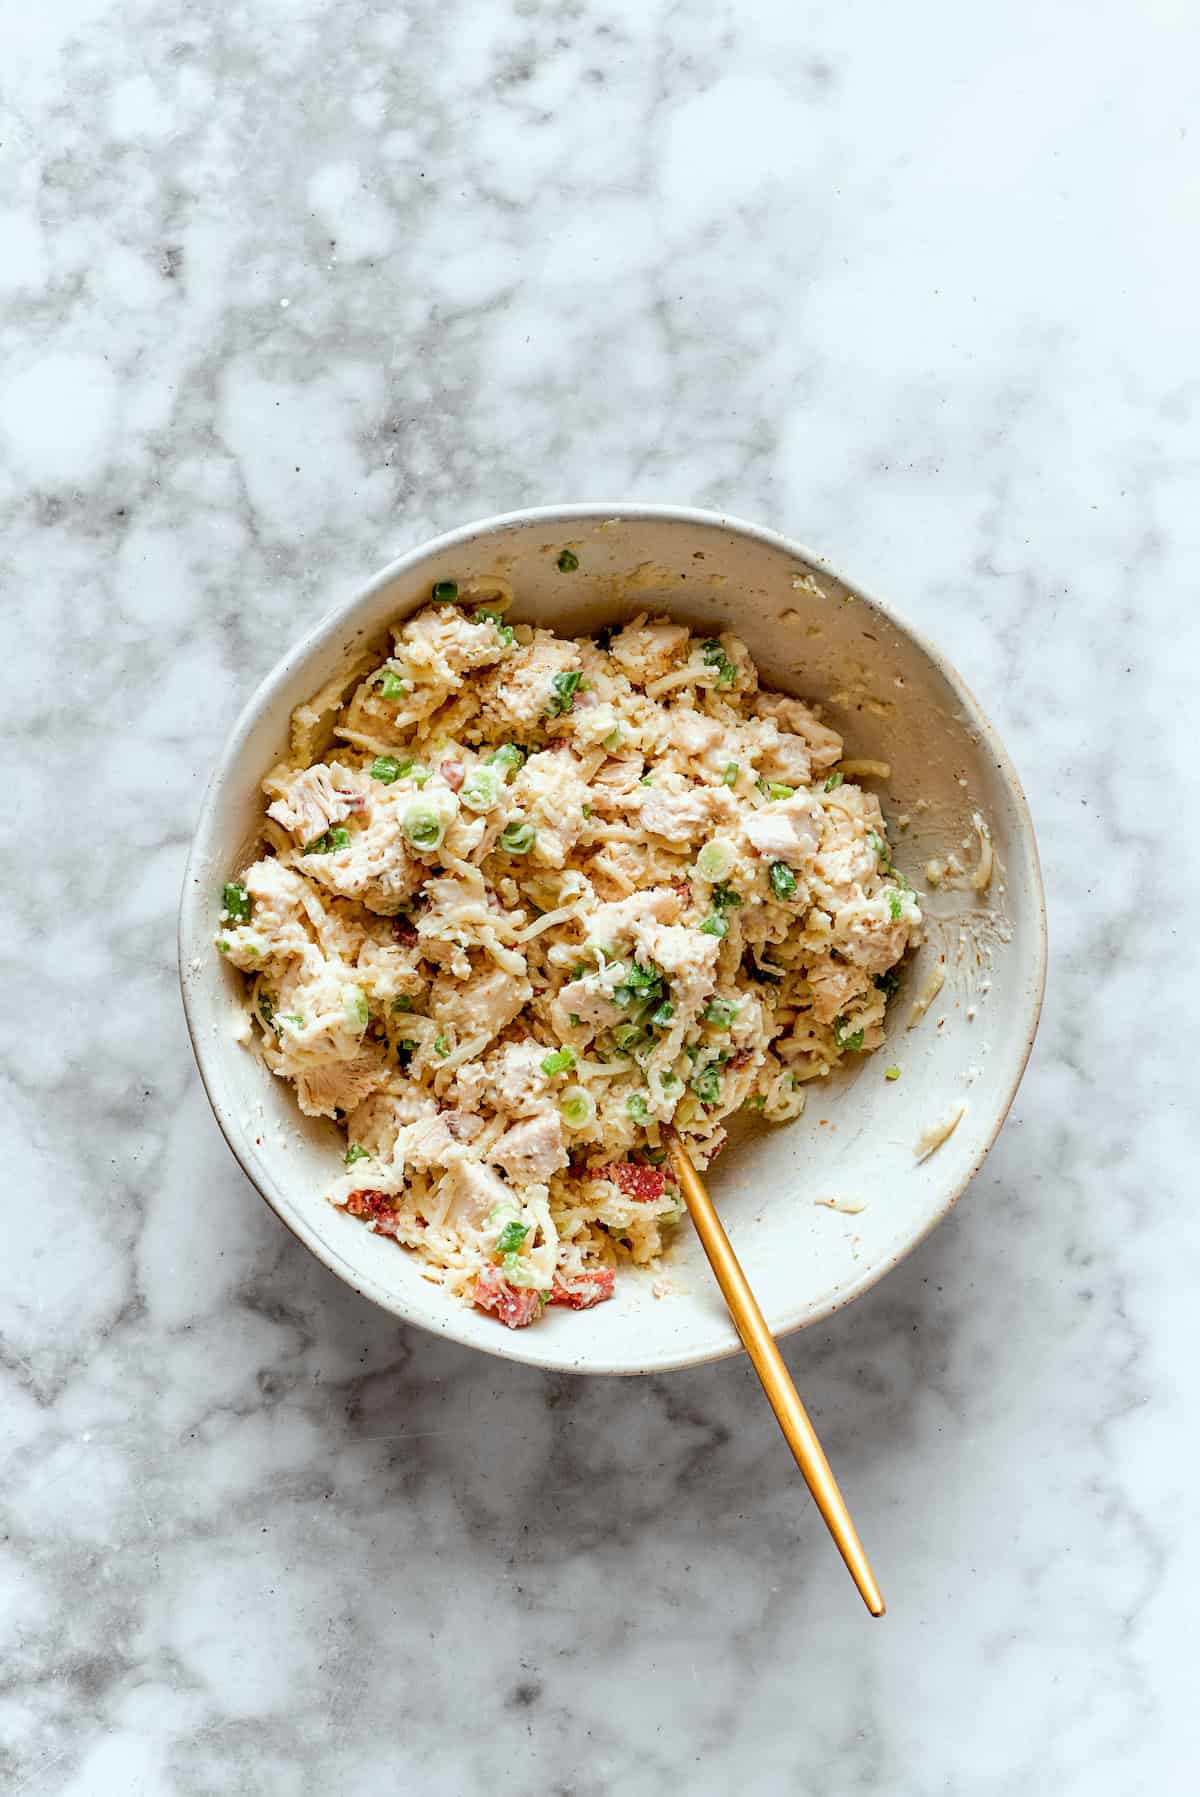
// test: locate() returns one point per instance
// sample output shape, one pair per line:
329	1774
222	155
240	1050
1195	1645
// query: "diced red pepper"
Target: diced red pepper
374	1207
453	773
584	1289
634	1179
682	891
516	1306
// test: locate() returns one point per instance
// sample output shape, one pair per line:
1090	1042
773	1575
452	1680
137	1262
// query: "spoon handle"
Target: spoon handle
760	1344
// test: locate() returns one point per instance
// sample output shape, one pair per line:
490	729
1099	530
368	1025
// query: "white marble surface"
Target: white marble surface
286	288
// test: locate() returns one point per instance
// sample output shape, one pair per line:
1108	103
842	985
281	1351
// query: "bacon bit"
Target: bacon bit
634	1179
740	1058
453	773
374	1208
516	1306
584	1290
405	930
682	891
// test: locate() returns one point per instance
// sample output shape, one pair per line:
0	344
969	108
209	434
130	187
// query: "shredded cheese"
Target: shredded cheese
927	994
938	1133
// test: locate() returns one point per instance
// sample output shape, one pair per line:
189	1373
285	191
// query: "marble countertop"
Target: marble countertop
289	287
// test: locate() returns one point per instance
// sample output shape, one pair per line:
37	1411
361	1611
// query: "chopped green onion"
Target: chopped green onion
833	782
391	686
707	1085
568	561
508	756
888	982
518	838
628	1036
761	785
481	789
441	1047
561	1061
895	905
445	592
405	1051
423	827
511	1237
562	692
637	1107
328	843
725	898
354	1005
505	632
729	777
851	1039
721	1012
587	811
420	774
292	1017
876	843
614	739
777	790
403	1003
236	901
646	780
783	880
516	1270
266	1007
715	657
891	1073
355	1152
387	768
640	979
716	925
756	1103
577	1107
663	1014
575	1020
715	859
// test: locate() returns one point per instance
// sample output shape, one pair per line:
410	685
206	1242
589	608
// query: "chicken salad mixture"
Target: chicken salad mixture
525	899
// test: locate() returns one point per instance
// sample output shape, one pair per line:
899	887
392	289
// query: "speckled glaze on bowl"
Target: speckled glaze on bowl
895	699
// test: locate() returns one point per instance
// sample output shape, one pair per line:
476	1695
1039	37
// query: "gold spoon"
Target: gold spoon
759	1343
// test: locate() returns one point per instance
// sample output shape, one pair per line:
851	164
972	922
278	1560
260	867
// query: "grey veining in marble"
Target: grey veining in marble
287	286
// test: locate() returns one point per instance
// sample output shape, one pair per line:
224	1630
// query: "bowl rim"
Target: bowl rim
510	1344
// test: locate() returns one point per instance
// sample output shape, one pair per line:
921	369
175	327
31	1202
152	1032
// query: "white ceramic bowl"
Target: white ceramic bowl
895	699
